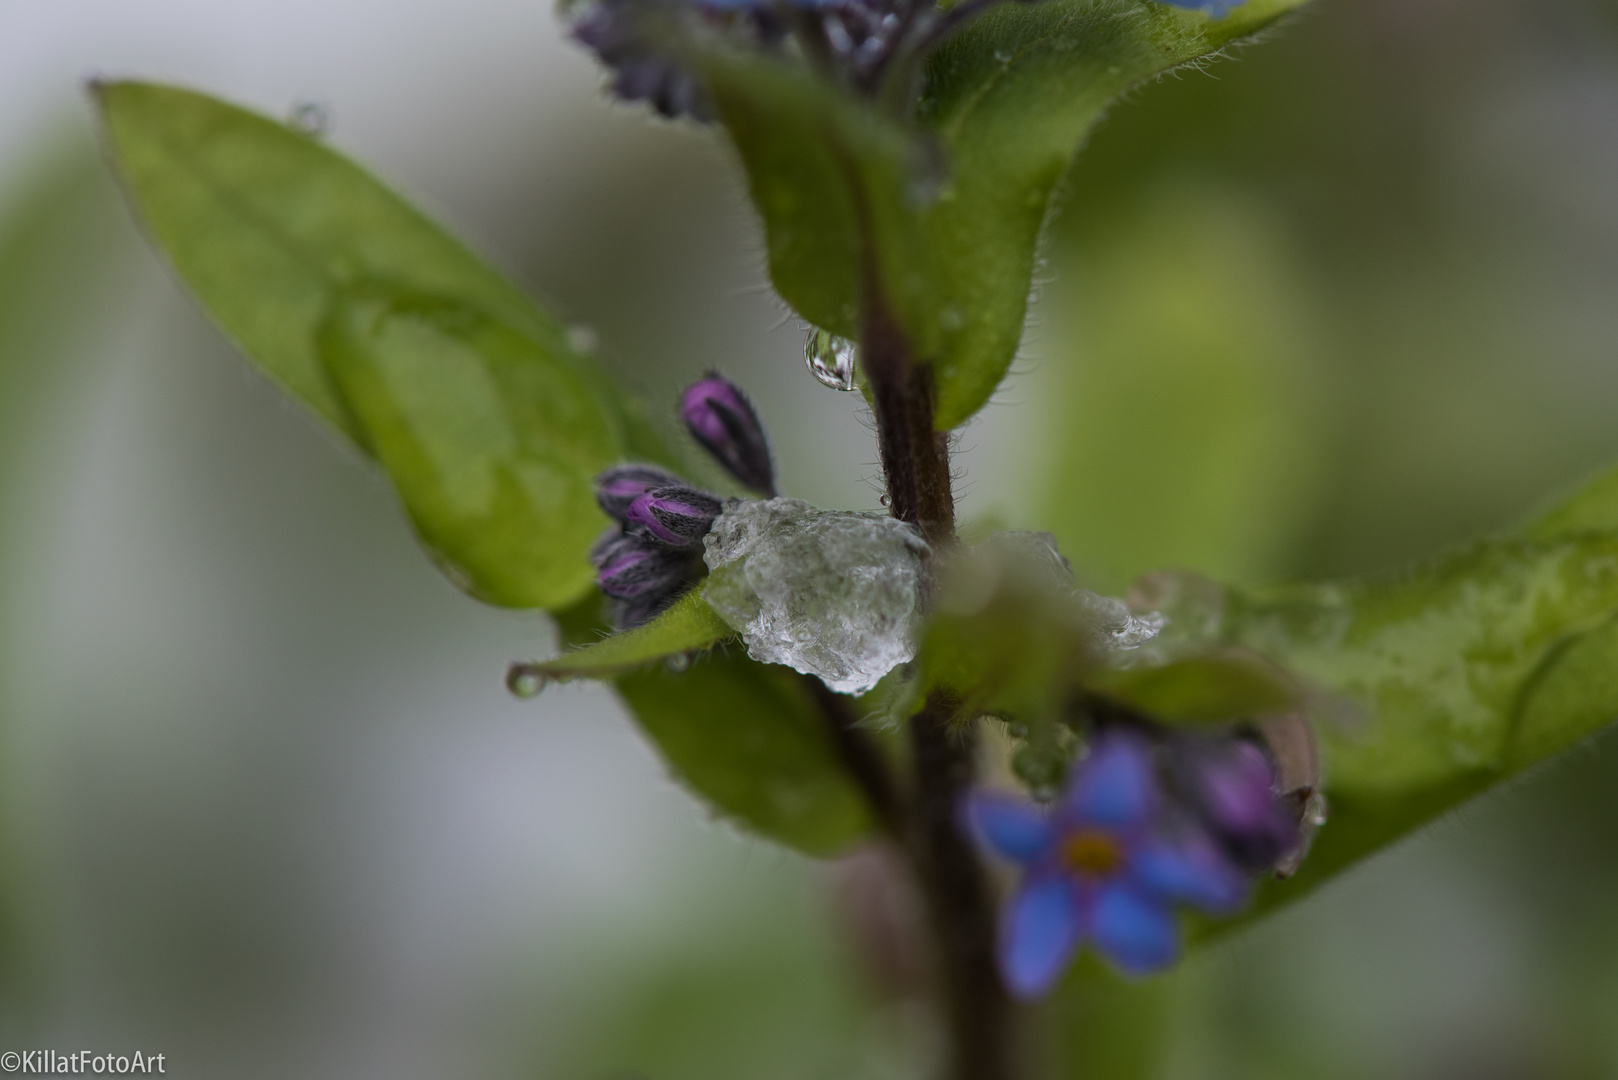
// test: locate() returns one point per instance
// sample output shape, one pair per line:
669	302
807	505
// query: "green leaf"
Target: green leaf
687	626
1209	686
750	740
1011	97
838	187
490	440
858	206
1593	507
488	420
746	738
1450	677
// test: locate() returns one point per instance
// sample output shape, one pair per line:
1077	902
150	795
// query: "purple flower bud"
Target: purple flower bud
677	516
621	485
720	417
1231	784
636	567
615	31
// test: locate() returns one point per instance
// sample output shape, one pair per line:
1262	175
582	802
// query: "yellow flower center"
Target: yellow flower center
1090	852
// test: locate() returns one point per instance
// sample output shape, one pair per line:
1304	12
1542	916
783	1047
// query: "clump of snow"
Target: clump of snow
830	593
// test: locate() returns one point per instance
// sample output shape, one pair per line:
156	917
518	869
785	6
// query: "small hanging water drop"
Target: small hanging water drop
678	662
830	359
525	680
311	118
583	339
885	500
1315	811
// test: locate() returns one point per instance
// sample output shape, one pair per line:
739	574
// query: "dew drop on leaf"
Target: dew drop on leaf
583	339
830	359
311	118
525	681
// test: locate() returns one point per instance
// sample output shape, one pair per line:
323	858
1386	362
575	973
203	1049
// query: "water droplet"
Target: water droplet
1315	810
678	662
830	359
885	500
311	118
526	680
583	339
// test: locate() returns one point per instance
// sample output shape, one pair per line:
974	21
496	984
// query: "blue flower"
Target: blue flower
1215	9
1105	866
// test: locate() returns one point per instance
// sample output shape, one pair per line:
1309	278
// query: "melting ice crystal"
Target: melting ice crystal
834	593
1035	556
830	593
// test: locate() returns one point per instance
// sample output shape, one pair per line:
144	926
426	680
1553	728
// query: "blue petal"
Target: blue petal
1040	936
1132	929
1009	826
1190	869
1216	9
1114	785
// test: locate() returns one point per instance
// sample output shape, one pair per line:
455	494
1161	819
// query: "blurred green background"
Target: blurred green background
264	804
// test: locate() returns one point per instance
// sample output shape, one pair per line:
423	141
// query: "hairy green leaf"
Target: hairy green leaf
1011	97
1448	677
746	738
687	626
839	188
489	422
939	221
1592	507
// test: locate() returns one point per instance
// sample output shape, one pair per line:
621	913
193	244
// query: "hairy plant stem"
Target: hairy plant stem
951	878
915	458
